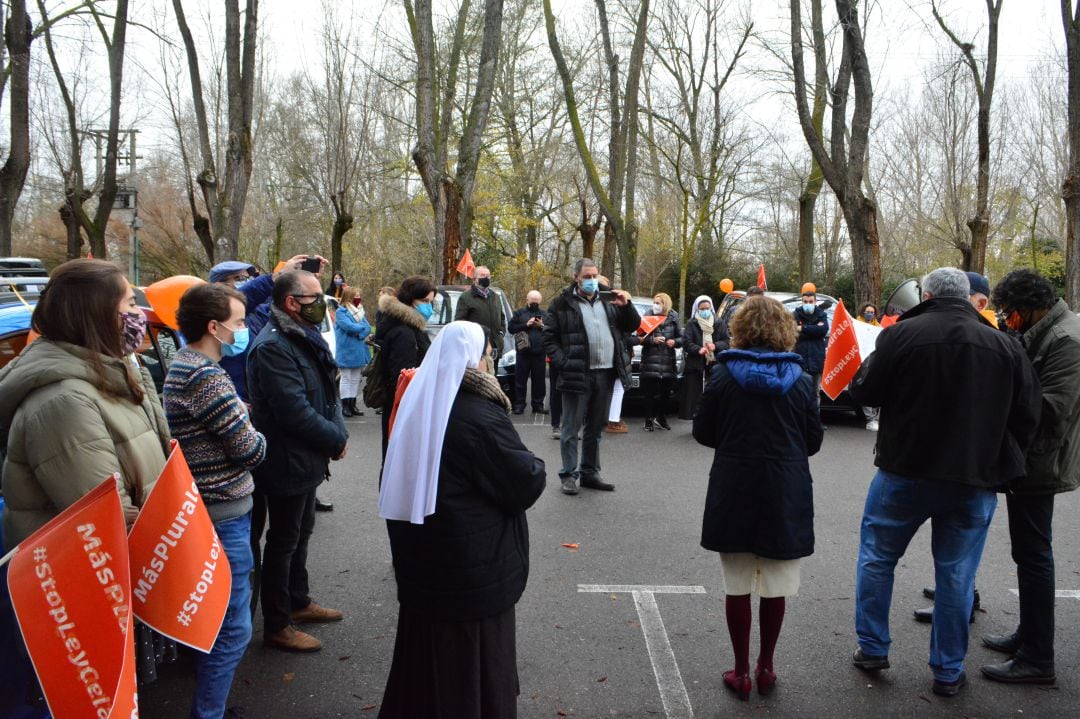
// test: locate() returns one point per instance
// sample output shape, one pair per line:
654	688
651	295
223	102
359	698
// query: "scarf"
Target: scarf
484	385
410	479
706	326
309	332
357	313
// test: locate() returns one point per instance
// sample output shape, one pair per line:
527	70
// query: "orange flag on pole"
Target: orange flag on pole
761	277
466	266
71	591
649	323
842	357
181	579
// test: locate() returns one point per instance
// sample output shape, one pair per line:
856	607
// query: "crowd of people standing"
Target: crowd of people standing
258	402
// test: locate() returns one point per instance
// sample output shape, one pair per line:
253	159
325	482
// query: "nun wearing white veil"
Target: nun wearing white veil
455	487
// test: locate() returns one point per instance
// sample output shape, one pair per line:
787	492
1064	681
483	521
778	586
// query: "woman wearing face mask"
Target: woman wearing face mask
337	286
658	371
100	409
868	314
402	335
704	337
351	328
221	447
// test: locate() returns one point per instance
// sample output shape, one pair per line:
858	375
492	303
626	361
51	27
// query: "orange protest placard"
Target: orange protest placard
467	267
842	358
403	381
71	591
180	576
649	323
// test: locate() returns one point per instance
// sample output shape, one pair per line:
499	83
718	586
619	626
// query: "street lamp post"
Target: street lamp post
133	271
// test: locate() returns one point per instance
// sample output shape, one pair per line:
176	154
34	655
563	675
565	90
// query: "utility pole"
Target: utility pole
127	195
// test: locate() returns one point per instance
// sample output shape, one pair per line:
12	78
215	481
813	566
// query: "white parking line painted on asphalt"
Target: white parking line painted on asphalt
1060	594
668	678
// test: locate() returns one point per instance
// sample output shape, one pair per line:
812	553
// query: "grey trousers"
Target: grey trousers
588	411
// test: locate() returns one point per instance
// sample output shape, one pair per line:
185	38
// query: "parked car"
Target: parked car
443	308
791	300
633	392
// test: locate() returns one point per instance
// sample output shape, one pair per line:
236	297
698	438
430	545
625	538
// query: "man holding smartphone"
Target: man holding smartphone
527	326
582	336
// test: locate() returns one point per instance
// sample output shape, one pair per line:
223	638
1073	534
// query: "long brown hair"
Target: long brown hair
78	306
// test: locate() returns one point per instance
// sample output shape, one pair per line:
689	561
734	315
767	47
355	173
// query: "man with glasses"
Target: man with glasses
294	403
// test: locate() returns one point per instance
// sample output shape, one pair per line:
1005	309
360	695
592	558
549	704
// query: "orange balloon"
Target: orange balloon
279	266
726	285
809	288
164	296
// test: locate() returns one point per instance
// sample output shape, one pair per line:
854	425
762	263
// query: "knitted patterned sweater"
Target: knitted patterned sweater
211	423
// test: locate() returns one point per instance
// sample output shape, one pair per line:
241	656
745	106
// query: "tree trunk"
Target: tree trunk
17	37
607	257
1071	186
343	222
452	209
815	181
865	250
71	231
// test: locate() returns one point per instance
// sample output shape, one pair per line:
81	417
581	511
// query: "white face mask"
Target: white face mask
657	308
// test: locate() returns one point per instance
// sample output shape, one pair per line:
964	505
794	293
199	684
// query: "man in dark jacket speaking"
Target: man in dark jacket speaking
1051	335
959	403
480	305
582	336
292	386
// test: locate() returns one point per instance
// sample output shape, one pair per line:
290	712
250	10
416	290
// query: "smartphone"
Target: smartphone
312	265
606	295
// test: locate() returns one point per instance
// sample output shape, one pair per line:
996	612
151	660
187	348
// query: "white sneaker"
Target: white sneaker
872	425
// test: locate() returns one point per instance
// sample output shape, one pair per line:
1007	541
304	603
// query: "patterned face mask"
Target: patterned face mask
133	331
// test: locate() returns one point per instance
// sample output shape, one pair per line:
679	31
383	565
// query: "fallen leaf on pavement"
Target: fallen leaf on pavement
573	545
289	676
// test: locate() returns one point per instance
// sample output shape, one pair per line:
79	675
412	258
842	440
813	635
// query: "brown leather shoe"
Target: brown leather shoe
314	613
292	640
616	428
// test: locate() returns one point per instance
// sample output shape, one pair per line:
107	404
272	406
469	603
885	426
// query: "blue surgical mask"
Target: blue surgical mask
809	307
424	308
705	314
238	345
590	285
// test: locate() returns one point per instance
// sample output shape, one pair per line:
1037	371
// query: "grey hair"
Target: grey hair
582	264
947	282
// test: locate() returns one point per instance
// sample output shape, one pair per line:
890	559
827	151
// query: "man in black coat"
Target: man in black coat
583	337
292	384
481	305
530	360
813	324
959	403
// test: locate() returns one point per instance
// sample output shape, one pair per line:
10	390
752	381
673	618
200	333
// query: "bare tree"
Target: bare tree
815	180
451	195
1070	190
17	38
224	194
703	143
974	254
74	215
844	163
617	200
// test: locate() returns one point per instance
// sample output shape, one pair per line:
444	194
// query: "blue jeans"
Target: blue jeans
959	516
214	671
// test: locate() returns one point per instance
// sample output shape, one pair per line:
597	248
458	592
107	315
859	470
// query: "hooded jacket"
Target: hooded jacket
402	337
566	341
294	403
759	412
1053	462
959	400
65	434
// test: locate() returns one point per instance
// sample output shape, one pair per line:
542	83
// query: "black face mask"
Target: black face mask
484	282
534	306
314	312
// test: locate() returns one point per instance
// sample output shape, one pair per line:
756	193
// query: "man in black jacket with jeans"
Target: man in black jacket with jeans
959	402
582	336
292	386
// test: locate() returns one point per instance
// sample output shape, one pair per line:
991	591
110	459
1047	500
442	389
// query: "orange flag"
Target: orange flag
71	591
649	323
842	358
403	381
761	277
180	576
466	266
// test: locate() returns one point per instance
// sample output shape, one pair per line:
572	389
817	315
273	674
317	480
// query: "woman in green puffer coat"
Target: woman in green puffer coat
75	408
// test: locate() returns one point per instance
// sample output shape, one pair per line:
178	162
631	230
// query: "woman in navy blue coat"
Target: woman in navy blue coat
759	412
